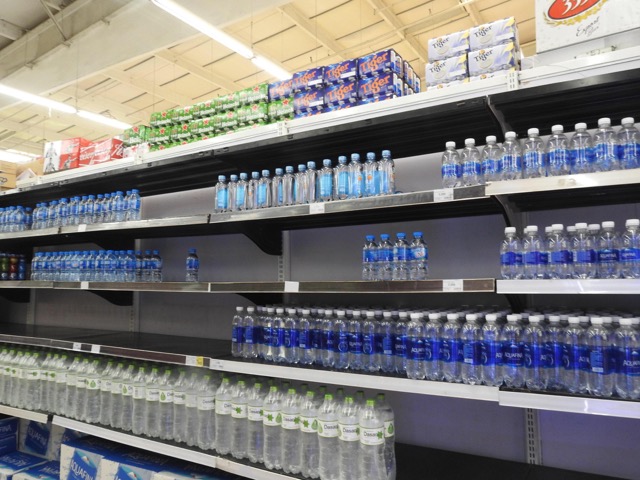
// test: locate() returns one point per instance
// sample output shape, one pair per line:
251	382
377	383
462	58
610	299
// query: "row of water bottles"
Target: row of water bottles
15	219
398	261
511	160
97	266
308	185
583	251
86	209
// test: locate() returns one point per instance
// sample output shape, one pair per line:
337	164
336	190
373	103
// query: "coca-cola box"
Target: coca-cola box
63	154
100	152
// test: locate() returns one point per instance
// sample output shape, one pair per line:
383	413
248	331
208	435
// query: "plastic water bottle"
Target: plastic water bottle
288	182
134	205
165	406
341	341
277	193
127	397
223	422
372	444
115	414
291	436
471	336
511	158
92	398
451	349
630	250
490	160
152	397
191	429
585	264
451	167
386	174
232	190
222	195
356	177
401	344
309	448
206	398
328	439
433	336
629	144
575	357
156	267
582	152
312	182
277	337
608	252
249	334
558	153
534	163
561	265
471	164
301	190
139	403
491	352
601	377
534	258
348	439
354	326
386	413
400	258
534	342
255	429
606	147
192	266
385	259
511	267
237	333
329	341
553	354
371	176
325	182
241	193
385	337
512	353
416	368
627	341
370	259
181	389
117	207
272	420
419	254
263	194
370	357
341	179
290	343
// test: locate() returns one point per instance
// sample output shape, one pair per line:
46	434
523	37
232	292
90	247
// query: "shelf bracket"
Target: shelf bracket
119	298
263	298
499	117
267	239
510	212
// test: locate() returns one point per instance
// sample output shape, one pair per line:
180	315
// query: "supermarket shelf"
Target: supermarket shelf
26	414
570	404
559	287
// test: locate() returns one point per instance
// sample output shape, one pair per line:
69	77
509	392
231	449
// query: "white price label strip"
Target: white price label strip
84	285
194	361
215	364
452	285
95	348
77	346
82	227
443	195
315	208
291	287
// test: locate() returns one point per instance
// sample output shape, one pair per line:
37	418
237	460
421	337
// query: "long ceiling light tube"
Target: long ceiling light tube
36	99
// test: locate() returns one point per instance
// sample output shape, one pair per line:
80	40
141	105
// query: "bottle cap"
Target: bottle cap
512	318
533	131
581	126
222	178
371	156
596	321
604	122
279	171
369	238
573	320
342	159
452	317
371	314
355	157
326	162
239	309
469	141
471	317
450	144
553	318
547	229
571	229
627	121
279	310
234	178
305	311
491	139
534	319
311	164
608	224
510	135
251	309
557	227
415	316
384	236
491	317
417	234
532	228
557	129
632	222
626	322
400	235
510	230
386	153
340	313
386	314
265	173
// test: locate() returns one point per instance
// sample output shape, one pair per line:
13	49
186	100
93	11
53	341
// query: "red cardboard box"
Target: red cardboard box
63	154
100	152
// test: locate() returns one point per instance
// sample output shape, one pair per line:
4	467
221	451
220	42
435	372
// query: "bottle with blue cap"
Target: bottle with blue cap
418	258
356	178
192	266
252	191
222	195
233	192
312	182
341	179
369	259
384	270
263	194
300	190
371	176
386	174
277	192
400	258
241	196
325	181
288	181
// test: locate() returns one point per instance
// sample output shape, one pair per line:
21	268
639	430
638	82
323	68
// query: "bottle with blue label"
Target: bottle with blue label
221	195
313	189
291	351
237	333
371	176
433	335
300	188
534	255
451	350
582	152
386	174
400	258
385	259
355	341
341	179
627	340
263	194
325	182
240	197
416	348
386	338
534	343
329	341
252	191
511	267
370	259
490	160
605	143
629	144
277	190
600	380
251	334
370	362
401	343
511	158
512	353
608	252
471	336
561	261
277	337
630	250
585	255
307	354
554	352
451	167
419	254
356	177
471	164
192	266
233	192
341	332
491	352
558	154
534	163
268	332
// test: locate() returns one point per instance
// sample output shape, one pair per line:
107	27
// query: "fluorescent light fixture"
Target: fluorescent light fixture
36	99
96	117
221	37
12	156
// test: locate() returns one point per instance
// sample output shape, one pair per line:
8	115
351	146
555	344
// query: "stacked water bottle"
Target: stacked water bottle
292	428
97	266
607	150
87	209
397	261
15	219
583	251
548	350
307	185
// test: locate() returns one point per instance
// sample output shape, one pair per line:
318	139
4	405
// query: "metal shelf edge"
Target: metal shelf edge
26	414
558	287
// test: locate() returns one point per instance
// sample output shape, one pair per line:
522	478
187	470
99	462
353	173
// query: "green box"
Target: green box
182	115
162	135
163	118
281	109
230	101
180	132
252	126
226	121
256	94
203	126
205	109
136	135
258	112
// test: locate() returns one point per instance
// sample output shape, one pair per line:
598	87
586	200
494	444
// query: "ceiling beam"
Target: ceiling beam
28	146
149	87
10	31
309	27
473	12
193	68
390	18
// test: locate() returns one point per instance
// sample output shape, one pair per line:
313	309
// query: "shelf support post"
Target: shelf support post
534	446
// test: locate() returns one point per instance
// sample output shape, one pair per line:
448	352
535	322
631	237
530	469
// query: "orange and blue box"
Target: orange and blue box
308	79
341	93
312	100
281	89
381	62
380	85
341	72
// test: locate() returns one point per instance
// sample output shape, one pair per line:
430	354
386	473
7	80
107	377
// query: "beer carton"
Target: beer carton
485	76
135	135
281	89
226	121
377	98
31	169
203	126
281	109
341	93
305	114
492	59
258	112
180	132
440	86
159	119
256	94
494	33
229	102
380	85
63	154
251	126
8	167
15	462
102	151
46	471
205	109
452	45
308	79
335	108
161	135
182	115
341	72
444	71
378	63
309	101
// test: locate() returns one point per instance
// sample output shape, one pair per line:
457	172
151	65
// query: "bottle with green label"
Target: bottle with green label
328	441
271	421
372	443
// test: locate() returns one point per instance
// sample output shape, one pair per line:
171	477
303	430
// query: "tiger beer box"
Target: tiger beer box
82	459
491	59
308	102
381	62
452	45
308	79
494	33
445	71
341	72
380	85
281	90
16	462
43	439
340	94
377	98
46	471
63	154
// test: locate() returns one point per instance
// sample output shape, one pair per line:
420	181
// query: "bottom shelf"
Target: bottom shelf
413	462
26	414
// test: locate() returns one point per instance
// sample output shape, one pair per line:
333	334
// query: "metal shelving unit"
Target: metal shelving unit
26	414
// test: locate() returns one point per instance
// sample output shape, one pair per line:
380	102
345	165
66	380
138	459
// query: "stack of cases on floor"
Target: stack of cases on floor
22	464
482	52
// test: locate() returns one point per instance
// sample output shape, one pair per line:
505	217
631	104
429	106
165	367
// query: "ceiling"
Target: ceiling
127	58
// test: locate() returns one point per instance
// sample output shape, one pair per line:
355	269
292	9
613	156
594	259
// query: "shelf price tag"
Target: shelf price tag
452	285
291	287
77	346
443	195
194	361
315	208
216	364
95	348
82	227
84	285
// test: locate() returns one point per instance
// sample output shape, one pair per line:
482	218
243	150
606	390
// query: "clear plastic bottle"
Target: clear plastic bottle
385	258
534	258
92	396
221	195
534	161
534	342
628	345
241	193
290	342
190	431
300	187
490	160
575	357
629	144
605	143
329	341
277	192
512	353
471	164
306	350
419	263
152	403
192	266
309	448
250	327
558	153
471	336
386	413
386	174
328	439
232	192
355	341
255	429
433	336
348	438
369	259
601	377
585	261
385	337
341	341
165	405
451	350
511	158
114	415
416	366
630	250
325	182
491	352
156	267
272	421
223	422
291	435
239	422
553	354
511	267
277	337
206	394
370	357
341	179
582	153
134	205
608	252
263	194
371	176
288	182
126	417
356	177
451	167
237	333
401	344
180	388
561	261
372	444
139	415
400	258
312	182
